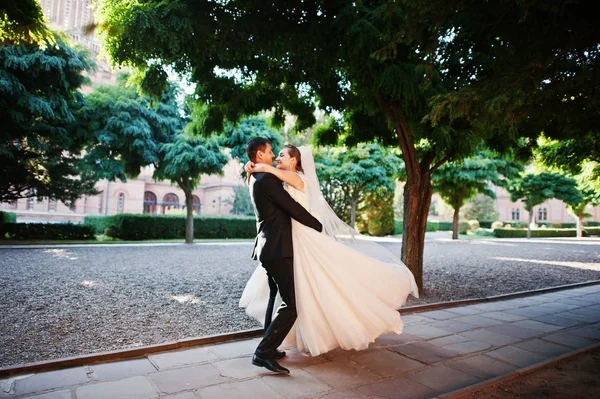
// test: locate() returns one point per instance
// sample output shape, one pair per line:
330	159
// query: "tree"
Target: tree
533	189
348	175
589	197
480	208
458	182
237	135
183	161
132	132
433	78
39	150
241	204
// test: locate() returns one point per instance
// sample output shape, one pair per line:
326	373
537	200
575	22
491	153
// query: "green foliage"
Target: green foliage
431	227
98	223
533	189
480	208
463	227
242	203
457	182
379	213
149	227
236	136
39	147
593	231
521	233
46	231
473	225
348	175
22	22
8	217
445	226
128	129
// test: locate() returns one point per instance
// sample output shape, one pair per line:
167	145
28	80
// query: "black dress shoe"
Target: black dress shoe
269	365
279	355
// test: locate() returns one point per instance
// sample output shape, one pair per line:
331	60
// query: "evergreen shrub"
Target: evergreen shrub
46	231
8	217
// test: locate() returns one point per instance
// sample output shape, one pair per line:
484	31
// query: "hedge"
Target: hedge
148	227
399	226
8	217
521	233
445	226
486	224
47	231
593	231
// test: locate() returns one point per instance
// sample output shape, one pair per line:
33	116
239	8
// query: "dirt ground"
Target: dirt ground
575	378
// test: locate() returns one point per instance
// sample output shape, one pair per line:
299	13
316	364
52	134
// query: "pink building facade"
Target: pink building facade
551	211
213	197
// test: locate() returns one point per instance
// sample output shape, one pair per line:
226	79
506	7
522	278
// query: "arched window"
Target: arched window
149	202
170	201
196	204
121	203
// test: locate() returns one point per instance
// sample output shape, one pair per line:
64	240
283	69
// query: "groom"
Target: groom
274	208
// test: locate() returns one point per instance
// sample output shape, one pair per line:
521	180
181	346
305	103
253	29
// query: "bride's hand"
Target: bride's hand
249	167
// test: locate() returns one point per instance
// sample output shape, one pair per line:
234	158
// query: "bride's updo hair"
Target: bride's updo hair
295	153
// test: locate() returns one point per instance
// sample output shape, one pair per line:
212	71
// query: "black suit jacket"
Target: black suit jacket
274	208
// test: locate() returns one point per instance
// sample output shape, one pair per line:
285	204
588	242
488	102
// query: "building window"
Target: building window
542	214
51	205
121	203
170	201
516	214
29	203
196	204
149	202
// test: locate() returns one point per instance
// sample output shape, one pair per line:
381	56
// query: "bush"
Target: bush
496	225
486	224
473	225
463	227
46	231
593	231
399	226
484	232
520	233
445	226
99	223
591	224
556	225
152	227
8	217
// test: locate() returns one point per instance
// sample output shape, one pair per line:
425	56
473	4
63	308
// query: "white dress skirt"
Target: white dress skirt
344	298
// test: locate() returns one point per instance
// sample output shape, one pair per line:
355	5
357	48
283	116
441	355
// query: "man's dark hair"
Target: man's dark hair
254	145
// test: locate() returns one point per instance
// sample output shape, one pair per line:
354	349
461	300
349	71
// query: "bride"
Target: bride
348	289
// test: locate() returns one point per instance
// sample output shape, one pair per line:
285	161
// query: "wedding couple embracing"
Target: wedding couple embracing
326	285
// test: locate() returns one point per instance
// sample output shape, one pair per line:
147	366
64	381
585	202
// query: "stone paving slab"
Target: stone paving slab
128	388
119	370
439	352
51	380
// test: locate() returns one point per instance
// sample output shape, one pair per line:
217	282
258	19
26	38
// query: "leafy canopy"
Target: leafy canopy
39	98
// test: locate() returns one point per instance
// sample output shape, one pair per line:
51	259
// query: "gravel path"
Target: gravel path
60	302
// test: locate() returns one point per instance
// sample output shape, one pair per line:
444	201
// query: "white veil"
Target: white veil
332	225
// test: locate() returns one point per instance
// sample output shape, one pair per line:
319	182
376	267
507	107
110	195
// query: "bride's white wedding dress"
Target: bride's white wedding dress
344	298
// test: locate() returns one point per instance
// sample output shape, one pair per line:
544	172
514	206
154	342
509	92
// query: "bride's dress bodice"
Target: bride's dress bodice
300	196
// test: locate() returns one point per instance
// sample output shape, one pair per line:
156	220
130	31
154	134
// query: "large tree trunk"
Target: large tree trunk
579	225
353	214
529	224
417	198
417	191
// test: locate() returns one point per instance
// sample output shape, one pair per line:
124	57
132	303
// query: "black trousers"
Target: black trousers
281	271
